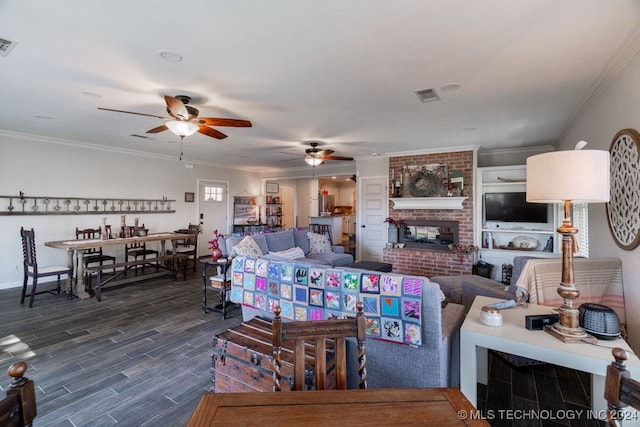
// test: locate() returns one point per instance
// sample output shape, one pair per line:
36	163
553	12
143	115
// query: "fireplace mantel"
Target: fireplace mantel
428	202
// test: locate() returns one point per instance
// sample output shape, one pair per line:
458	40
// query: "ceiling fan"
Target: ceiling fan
184	120
316	156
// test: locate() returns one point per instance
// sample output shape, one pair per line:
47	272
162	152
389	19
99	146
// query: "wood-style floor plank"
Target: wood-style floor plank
140	357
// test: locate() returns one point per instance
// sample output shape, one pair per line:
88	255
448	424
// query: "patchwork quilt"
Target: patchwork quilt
392	302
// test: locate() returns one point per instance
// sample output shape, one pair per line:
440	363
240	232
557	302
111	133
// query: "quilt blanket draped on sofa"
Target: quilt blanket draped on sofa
411	340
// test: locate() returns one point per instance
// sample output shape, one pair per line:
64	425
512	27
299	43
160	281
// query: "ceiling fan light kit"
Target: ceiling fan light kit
182	128
313	161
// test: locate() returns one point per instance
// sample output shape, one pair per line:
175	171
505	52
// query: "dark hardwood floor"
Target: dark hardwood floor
534	396
141	357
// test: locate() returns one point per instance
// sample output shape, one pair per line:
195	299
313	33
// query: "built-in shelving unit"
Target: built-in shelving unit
496	239
273	210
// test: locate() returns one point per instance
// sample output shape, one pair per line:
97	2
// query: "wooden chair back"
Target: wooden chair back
90	233
19	407
29	249
318	331
620	390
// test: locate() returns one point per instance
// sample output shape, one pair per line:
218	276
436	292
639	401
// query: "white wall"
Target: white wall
615	109
44	168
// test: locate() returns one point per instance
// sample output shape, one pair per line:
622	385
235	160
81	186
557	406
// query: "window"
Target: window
581	222
213	193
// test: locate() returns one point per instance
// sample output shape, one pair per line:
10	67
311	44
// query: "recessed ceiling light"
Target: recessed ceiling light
169	56
334	177
44	117
450	87
91	94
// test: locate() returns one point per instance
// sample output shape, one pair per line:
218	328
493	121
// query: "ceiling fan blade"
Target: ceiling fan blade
176	108
212	121
158	129
324	153
211	132
337	158
131	112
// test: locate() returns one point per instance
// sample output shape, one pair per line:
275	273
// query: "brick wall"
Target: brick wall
429	262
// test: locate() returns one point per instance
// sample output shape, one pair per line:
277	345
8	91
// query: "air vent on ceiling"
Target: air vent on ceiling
135	135
427	95
6	46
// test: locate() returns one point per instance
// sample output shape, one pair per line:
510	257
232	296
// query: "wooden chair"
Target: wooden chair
19	407
137	250
93	255
620	390
318	331
31	269
189	246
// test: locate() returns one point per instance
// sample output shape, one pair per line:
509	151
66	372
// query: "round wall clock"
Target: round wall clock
623	209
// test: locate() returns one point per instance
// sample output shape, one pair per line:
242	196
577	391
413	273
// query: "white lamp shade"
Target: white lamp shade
576	175
182	128
313	161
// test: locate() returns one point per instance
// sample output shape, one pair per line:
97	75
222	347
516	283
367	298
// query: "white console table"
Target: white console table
512	337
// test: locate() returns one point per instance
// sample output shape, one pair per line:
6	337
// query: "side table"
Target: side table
225	283
512	337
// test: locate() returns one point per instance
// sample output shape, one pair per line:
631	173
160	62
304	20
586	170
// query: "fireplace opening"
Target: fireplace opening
429	234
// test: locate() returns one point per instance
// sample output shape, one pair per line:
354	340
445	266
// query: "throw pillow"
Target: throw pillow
293	253
248	247
319	243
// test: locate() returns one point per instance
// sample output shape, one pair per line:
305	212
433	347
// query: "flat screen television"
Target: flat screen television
513	207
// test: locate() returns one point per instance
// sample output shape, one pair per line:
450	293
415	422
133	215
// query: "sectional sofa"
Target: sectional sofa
281	245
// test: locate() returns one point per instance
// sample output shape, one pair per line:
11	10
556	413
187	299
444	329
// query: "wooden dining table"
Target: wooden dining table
371	407
76	248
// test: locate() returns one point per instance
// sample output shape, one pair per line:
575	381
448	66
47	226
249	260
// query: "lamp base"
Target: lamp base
573	337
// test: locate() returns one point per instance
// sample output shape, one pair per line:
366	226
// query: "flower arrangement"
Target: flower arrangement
214	241
216	252
397	222
463	249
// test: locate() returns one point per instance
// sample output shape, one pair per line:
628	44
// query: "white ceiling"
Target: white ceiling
340	71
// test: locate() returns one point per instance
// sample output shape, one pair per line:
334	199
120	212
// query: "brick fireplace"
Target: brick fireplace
434	261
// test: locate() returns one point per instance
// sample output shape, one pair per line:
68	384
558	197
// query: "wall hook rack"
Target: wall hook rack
44	205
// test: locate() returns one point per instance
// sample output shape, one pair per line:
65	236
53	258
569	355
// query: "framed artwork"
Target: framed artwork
273	187
189	197
623	208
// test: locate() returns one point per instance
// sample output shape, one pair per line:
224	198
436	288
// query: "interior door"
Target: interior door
213	205
372	210
288	199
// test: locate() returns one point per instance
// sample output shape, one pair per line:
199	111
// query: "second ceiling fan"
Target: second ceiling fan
315	156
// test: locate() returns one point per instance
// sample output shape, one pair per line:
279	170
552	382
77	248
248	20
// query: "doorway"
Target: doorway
213	205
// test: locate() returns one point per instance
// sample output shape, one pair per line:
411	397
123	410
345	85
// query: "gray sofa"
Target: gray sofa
391	365
284	240
463	289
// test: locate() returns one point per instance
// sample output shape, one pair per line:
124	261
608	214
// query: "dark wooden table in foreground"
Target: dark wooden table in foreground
372	407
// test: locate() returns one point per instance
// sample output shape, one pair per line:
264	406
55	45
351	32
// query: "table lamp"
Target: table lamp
567	177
